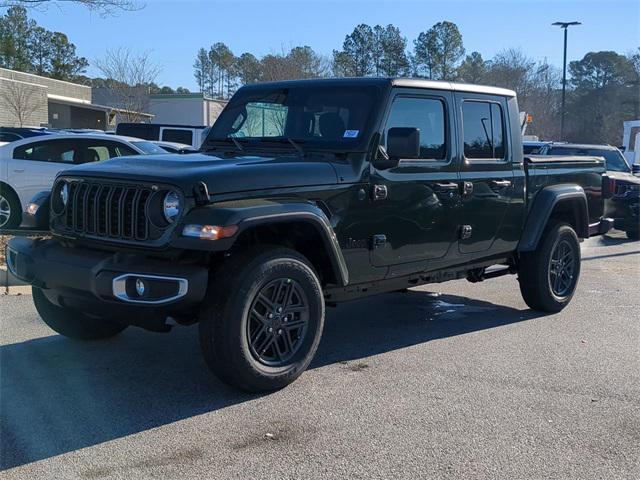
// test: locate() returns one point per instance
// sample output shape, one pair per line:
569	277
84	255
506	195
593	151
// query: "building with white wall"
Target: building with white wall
194	109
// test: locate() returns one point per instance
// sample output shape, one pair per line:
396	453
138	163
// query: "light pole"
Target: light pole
565	26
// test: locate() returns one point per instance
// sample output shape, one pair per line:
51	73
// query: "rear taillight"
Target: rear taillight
608	186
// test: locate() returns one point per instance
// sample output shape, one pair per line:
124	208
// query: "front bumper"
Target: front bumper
83	278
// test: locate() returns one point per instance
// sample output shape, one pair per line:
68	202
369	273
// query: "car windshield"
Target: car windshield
614	159
149	148
315	116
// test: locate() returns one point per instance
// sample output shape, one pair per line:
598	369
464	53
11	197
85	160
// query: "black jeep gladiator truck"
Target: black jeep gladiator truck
306	194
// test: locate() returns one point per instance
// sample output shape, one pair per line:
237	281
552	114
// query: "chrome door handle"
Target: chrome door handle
446	187
500	183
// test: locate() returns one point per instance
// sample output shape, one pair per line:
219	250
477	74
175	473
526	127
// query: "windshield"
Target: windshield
316	116
614	159
149	148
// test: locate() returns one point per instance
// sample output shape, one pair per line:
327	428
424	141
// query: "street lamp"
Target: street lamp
565	26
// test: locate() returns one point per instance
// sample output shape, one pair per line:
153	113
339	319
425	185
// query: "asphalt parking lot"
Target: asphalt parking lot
455	380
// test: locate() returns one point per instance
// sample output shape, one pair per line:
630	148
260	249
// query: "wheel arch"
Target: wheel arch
566	203
306	232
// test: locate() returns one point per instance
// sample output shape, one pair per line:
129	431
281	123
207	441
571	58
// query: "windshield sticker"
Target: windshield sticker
351	133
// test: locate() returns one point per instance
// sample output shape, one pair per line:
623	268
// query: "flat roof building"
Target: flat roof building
185	109
34	101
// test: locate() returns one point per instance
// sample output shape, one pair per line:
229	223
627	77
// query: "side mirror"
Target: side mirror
403	142
635	169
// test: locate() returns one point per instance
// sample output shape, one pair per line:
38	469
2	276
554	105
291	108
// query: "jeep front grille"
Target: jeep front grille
106	210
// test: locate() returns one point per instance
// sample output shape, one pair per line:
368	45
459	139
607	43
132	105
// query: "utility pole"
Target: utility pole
565	26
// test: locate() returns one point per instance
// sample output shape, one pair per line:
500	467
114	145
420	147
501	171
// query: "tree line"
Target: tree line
603	87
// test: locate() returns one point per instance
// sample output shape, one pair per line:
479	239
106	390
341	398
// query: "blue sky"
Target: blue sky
174	30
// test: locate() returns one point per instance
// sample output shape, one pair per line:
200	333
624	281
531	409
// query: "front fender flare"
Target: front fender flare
247	214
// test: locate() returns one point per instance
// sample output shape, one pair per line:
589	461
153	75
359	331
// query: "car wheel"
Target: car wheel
263	320
10	214
72	323
549	275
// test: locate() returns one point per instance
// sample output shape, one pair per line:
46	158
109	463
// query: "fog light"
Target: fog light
32	208
140	287
209	232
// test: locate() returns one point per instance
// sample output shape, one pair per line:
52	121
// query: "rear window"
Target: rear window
149	148
177	135
145	131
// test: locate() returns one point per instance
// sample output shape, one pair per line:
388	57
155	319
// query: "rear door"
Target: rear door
413	208
486	170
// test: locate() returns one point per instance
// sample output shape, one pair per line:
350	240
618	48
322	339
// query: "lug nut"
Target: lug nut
279	310
270	329
280	332
270	315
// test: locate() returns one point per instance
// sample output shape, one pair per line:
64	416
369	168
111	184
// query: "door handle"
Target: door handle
500	183
447	186
18	170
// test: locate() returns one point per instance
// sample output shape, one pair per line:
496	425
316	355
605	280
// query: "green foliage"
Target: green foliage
438	51
27	47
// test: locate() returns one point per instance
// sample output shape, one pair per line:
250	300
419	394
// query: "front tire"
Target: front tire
549	275
72	323
263	320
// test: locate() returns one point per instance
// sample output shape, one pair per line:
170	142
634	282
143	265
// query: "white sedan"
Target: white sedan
30	166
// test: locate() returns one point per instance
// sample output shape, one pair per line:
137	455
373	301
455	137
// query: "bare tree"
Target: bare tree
21	100
103	6
128	76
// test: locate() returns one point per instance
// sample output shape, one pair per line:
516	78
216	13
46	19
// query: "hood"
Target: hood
623	177
222	175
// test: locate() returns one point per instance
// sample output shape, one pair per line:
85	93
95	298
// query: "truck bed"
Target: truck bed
545	170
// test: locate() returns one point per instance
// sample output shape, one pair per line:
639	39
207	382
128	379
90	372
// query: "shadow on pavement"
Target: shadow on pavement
58	395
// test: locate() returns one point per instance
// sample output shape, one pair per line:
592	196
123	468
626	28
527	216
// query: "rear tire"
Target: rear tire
72	323
263	319
549	275
10	212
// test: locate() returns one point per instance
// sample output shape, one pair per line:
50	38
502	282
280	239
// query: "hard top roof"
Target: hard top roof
389	81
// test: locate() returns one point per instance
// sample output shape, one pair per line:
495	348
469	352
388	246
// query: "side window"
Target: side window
59	151
425	114
632	138
482	124
177	135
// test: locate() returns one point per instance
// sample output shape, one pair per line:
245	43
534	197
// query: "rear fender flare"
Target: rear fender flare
543	206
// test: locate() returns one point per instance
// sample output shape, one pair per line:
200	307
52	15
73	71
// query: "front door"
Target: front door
486	169
413	205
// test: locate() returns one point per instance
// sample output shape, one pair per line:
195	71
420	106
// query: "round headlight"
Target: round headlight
64	194
171	206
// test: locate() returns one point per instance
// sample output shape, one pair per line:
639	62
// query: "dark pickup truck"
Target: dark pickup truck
306	194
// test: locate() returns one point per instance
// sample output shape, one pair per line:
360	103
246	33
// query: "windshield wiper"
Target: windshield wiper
237	144
296	146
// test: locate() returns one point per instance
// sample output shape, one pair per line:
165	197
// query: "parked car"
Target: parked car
11	134
30	165
310	193
624	205
186	134
172	147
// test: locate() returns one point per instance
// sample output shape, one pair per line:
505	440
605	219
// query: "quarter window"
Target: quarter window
427	115
177	135
482	123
